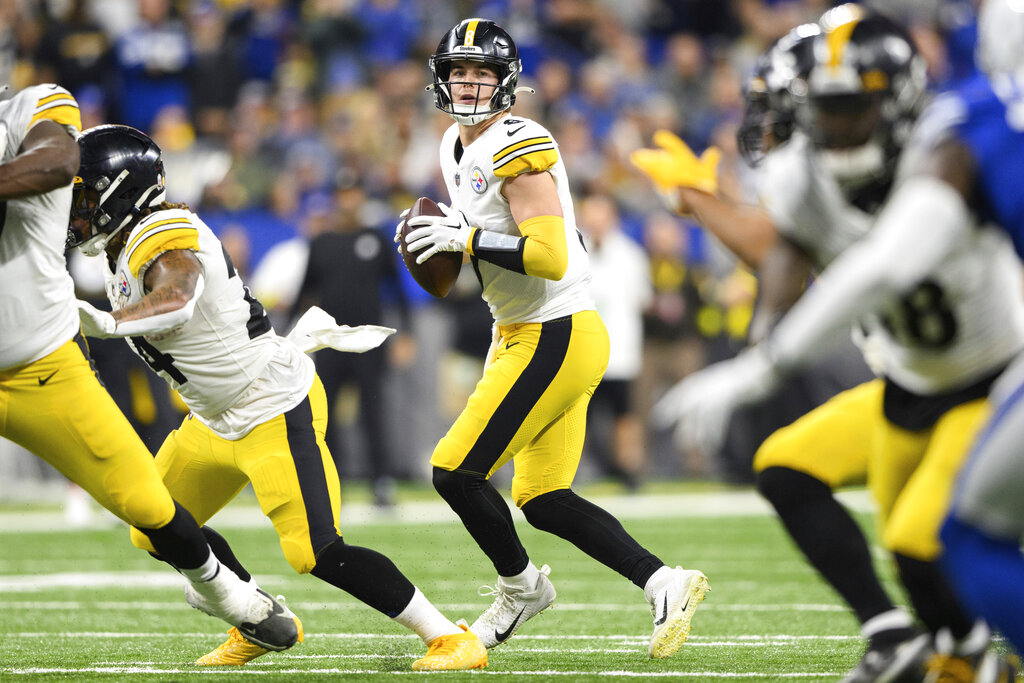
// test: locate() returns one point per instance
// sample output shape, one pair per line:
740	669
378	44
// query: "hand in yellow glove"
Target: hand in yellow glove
675	164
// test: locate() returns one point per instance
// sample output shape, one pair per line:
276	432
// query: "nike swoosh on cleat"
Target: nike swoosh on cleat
513	132
503	635
44	380
664	614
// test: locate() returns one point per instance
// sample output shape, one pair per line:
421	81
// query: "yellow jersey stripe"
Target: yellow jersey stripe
157	243
64	114
53	98
471	32
154	225
542	139
528	162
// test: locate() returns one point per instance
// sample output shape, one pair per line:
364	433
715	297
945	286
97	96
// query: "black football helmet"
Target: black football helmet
477	40
769	116
120	174
862	94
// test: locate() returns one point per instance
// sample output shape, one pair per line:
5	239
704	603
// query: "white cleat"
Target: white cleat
512	607
258	616
672	605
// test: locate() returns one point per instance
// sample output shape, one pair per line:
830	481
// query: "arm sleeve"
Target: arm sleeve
542	250
925	220
161	322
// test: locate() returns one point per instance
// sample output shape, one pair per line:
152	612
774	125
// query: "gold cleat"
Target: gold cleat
454	652
236	650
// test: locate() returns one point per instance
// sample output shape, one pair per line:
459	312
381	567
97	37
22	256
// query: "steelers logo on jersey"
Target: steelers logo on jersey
477	180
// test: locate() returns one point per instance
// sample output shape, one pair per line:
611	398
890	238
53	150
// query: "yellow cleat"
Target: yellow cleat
455	652
236	650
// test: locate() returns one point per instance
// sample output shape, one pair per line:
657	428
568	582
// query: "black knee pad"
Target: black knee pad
455	485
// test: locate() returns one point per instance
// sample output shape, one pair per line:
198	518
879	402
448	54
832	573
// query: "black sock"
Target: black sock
594	531
486	516
223	551
180	542
366	575
931	596
828	536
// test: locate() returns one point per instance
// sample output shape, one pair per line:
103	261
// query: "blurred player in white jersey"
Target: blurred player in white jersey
258	410
797	473
940	324
512	214
51	401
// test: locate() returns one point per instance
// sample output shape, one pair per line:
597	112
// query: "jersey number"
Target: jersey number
927	320
258	323
157	360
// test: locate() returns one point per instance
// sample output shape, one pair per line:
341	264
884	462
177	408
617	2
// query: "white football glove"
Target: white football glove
450	232
95	323
701	404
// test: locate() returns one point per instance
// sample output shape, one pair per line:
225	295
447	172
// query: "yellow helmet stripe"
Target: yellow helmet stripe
471	32
838	38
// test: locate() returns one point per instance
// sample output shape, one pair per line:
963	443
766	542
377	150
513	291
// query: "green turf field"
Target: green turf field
86	606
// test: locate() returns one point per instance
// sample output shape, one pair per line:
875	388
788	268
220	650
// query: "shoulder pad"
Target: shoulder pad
524	146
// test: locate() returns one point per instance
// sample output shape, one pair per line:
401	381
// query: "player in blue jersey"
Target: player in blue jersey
983	532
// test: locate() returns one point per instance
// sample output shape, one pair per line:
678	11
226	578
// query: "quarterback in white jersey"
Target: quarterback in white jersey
52	401
942	317
258	410
475	181
512	214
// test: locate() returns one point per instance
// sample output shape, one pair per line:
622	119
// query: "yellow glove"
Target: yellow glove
675	164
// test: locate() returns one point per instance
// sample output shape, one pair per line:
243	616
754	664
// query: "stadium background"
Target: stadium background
278	116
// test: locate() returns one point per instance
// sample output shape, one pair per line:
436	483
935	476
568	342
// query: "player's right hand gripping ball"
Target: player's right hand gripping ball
438	273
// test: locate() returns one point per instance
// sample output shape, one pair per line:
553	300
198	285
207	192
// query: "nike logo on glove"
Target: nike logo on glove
514	131
510	345
664	613
44	380
501	636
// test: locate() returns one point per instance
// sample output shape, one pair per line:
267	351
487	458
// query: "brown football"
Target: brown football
438	273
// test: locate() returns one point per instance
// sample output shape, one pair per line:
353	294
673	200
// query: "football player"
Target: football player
793	474
52	402
975	158
939	302
258	410
512	215
688	184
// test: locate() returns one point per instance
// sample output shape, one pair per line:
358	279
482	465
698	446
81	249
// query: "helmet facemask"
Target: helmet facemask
502	98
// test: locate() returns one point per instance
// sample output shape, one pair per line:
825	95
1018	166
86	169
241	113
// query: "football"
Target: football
438	273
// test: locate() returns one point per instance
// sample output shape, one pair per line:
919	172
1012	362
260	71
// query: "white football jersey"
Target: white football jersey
959	325
510	146
37	296
230	367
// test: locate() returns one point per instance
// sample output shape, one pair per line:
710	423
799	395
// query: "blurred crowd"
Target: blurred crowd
283	121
